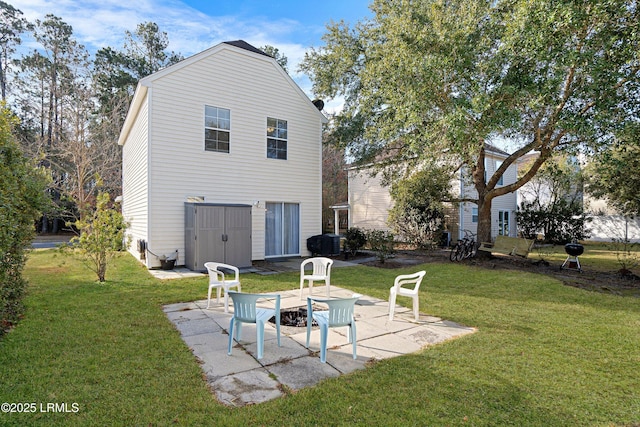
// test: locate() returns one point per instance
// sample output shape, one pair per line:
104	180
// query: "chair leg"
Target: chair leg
301	287
226	300
260	338
392	304
230	337
218	290
324	331
309	320
328	283
238	331
416	314
209	297
353	338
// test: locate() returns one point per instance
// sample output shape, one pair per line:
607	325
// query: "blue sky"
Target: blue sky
293	26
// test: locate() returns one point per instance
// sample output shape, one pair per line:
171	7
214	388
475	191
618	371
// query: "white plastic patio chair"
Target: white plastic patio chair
414	279
321	271
218	280
245	311
340	313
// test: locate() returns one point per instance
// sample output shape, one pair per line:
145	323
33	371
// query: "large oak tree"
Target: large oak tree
439	79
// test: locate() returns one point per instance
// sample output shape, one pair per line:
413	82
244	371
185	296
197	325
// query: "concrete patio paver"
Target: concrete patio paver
303	372
246	387
241	379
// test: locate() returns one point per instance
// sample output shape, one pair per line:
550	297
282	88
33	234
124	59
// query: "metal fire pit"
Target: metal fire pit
293	317
573	250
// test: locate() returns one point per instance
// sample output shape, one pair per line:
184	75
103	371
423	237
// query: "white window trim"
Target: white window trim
218	129
278	139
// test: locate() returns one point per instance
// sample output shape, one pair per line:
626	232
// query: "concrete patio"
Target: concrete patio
241	379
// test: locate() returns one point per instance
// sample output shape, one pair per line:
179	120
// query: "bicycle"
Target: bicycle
465	248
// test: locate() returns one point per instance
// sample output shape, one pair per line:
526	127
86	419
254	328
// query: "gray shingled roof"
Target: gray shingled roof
246	46
495	149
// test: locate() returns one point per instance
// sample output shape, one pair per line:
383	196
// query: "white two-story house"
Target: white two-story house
369	201
222	158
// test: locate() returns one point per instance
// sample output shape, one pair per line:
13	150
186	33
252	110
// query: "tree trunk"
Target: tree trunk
484	222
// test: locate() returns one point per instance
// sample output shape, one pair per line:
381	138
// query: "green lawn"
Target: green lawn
597	255
544	354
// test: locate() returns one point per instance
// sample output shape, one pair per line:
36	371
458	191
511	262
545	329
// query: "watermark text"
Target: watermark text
33	407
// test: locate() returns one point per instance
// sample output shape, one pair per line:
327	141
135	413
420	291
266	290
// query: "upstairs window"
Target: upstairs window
276	139
501	180
217	126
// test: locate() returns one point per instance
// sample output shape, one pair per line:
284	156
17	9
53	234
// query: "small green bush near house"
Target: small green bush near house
381	242
354	240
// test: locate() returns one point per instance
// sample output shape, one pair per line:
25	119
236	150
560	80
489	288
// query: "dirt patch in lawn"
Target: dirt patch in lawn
615	282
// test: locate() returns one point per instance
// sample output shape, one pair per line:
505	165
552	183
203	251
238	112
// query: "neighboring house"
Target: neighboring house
539	190
607	227
604	224
221	161
370	202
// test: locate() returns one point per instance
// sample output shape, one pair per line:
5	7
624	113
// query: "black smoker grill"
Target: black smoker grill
573	250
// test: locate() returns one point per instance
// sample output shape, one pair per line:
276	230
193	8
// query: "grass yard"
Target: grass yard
544	354
600	256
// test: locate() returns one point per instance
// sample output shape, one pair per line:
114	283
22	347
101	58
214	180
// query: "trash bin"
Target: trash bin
167	264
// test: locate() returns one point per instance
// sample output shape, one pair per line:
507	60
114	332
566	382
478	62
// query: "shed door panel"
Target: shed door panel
189	236
238	231
210	232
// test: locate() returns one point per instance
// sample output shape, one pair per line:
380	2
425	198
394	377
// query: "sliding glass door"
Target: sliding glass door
282	229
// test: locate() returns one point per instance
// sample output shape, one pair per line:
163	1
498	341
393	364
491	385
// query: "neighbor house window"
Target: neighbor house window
503	223
501	180
474	215
276	139
217	126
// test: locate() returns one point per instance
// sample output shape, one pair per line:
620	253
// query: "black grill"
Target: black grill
324	244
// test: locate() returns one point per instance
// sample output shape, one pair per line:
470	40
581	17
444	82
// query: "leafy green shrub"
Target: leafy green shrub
22	198
561	222
355	239
417	215
101	236
381	242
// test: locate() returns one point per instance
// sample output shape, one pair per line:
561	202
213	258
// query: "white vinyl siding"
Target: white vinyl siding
135	180
369	201
241	82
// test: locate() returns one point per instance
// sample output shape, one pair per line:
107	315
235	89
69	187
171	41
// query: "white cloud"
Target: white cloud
98	24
